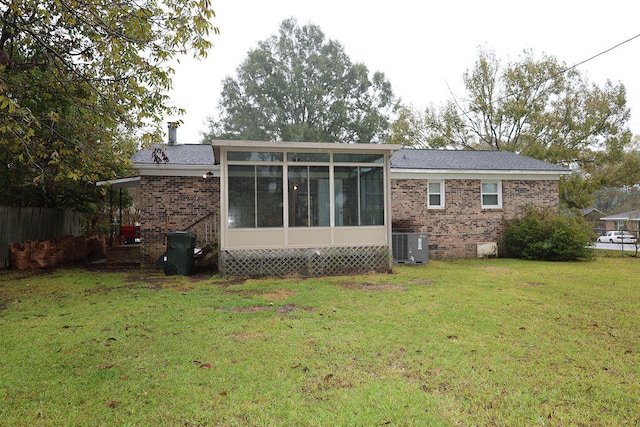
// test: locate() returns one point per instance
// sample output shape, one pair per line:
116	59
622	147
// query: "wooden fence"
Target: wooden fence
24	224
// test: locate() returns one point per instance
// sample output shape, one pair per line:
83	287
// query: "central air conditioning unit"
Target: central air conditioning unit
409	248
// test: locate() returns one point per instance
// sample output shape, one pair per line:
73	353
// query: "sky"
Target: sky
423	48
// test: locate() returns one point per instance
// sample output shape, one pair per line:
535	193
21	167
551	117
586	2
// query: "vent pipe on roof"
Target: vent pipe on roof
173	126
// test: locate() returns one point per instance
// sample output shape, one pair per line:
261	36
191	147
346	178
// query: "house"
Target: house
274	208
628	221
593	217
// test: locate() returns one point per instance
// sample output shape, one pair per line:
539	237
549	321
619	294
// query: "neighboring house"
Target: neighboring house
324	208
593	217
628	221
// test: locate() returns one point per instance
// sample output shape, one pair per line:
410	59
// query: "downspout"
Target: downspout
111	230
388	207
120	214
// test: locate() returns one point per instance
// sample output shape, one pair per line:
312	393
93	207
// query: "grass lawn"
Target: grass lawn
471	342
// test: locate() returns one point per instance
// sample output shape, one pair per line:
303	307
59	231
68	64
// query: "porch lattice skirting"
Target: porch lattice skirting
324	261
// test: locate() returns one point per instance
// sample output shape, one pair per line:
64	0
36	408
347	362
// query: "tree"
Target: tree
82	83
299	86
536	107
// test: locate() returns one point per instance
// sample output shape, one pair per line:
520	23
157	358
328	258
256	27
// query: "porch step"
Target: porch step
204	255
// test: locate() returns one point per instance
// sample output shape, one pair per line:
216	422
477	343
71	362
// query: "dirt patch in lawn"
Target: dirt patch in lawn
231	281
150	279
279	294
531	284
421	282
241	336
271	295
368	286
282	309
253	309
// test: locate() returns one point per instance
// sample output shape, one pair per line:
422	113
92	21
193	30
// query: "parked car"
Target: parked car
617	237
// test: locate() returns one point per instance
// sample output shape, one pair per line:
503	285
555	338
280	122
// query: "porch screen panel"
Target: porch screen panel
298	196
309	196
241	194
346	195
319	196
371	196
269	196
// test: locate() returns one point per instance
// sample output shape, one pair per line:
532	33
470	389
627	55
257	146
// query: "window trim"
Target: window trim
441	194
498	193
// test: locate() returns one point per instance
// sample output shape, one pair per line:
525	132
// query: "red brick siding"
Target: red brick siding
455	230
173	204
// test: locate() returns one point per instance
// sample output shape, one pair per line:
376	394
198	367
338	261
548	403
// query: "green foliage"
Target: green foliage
538	107
612	200
548	235
82	83
534	106
299	86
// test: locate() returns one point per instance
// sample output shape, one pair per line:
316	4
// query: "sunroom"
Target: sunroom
304	208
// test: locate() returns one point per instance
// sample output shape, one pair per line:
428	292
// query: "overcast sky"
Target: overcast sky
422	47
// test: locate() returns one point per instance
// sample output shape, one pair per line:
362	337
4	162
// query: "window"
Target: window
358	158
435	195
254	156
491	194
252	190
308	157
371	196
308	196
359	193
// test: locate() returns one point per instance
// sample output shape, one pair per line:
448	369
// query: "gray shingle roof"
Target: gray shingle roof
202	154
468	160
180	154
632	215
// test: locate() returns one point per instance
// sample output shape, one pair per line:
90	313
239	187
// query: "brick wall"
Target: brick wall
455	230
173	204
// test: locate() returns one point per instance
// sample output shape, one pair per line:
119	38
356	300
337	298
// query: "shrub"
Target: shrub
547	235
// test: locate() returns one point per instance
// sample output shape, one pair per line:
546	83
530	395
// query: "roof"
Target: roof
587	211
307	146
195	158
469	160
178	154
203	154
632	215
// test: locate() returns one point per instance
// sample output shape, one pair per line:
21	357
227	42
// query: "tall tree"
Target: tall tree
536	107
82	83
299	86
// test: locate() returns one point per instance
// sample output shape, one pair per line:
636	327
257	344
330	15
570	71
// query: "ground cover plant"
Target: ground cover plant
468	342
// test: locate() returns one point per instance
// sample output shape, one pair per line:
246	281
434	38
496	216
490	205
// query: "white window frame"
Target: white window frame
498	193
441	194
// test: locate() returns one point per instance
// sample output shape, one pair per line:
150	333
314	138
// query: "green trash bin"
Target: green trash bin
180	256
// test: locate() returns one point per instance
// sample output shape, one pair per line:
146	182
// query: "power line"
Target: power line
602	53
464	113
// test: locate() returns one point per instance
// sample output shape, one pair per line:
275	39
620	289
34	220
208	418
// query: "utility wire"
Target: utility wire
464	113
601	53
